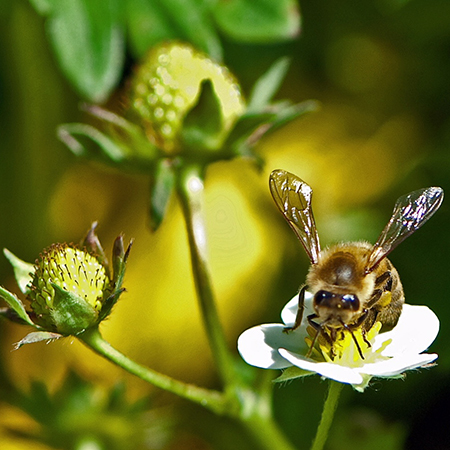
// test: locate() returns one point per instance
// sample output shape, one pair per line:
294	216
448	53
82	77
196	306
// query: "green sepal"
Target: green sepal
248	130
122	144
92	244
247	124
110	150
291	373
366	380
11	315
254	127
286	112
22	271
109	303
162	185
16	305
71	314
267	85
202	126
133	141
37	336
120	259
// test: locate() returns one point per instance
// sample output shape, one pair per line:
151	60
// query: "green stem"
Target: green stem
329	408
266	433
190	191
213	400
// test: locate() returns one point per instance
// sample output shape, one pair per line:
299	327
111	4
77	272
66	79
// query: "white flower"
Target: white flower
389	355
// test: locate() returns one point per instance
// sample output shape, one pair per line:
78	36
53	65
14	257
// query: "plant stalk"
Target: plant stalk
267	435
210	399
329	408
190	192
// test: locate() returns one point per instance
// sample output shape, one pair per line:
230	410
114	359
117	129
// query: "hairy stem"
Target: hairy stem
190	192
329	408
210	399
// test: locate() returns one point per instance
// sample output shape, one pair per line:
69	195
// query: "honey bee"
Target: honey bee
353	284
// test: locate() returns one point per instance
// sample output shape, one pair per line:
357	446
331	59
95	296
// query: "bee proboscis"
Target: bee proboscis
353	284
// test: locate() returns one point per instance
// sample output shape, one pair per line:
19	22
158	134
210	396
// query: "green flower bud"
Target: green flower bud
167	86
68	289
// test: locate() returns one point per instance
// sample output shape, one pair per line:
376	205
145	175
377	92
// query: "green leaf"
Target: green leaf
37	336
291	373
88	40
22	271
153	21
203	124
267	85
15	304
261	21
43	7
161	188
72	315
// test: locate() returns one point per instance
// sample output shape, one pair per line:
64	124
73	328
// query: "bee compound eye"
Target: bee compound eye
322	296
350	301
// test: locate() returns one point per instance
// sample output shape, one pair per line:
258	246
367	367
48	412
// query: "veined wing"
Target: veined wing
411	211
293	198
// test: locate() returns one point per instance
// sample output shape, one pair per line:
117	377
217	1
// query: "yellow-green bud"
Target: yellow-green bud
167	85
68	289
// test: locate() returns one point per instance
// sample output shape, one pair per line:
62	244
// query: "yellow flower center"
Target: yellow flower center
343	350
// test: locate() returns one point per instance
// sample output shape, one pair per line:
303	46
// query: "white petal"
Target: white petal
289	312
329	370
259	345
417	328
398	365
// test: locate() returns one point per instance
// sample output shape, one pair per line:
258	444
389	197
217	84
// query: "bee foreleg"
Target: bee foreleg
318	329
355	340
301	307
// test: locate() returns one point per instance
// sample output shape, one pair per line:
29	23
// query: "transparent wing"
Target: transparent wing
411	211
293	198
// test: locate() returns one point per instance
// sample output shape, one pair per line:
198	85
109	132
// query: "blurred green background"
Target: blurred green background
381	72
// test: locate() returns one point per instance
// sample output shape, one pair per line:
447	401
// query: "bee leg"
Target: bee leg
365	321
383	283
386	280
354	339
318	329
365	339
301	306
371	318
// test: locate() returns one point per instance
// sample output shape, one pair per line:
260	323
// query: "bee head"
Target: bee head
340	286
335	309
